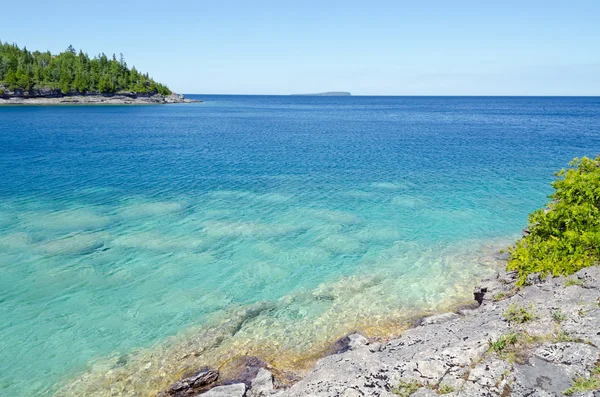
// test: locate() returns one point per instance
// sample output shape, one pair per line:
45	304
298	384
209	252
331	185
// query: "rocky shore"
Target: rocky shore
540	340
55	97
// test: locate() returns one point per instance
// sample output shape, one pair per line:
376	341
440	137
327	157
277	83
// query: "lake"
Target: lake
131	236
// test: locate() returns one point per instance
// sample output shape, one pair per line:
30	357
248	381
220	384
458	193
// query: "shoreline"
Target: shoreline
96	99
231	344
487	350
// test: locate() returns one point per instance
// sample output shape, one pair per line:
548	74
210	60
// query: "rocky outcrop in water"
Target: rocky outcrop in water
541	340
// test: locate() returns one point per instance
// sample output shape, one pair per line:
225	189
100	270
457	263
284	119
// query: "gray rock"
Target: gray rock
191	384
454	349
262	384
235	390
350	392
44	96
356	341
439	318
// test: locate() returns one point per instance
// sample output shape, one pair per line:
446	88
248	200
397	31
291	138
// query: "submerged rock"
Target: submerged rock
243	369
192	385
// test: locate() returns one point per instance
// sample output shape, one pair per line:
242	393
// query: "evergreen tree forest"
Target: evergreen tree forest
71	72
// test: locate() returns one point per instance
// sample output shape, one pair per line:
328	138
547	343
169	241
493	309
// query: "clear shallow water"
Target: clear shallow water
271	225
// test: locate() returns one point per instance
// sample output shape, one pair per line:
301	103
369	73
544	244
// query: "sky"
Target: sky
375	47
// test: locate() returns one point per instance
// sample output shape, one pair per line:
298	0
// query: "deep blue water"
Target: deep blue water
123	225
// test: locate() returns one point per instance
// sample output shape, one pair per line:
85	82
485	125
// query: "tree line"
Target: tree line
71	72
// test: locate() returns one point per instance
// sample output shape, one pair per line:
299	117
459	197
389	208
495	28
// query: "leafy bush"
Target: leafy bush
565	236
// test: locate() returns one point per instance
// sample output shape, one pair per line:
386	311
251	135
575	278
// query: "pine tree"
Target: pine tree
71	72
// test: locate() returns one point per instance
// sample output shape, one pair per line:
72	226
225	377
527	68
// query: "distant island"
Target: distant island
73	77
331	93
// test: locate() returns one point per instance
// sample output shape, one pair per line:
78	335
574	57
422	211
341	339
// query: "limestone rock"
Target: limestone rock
262	384
454	349
235	390
192	384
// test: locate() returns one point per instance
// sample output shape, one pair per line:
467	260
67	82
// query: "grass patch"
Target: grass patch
562	336
516	347
503	342
581	384
573	281
445	389
558	316
405	389
499	296
519	315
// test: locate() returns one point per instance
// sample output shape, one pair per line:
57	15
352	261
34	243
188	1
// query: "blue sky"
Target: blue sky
367	47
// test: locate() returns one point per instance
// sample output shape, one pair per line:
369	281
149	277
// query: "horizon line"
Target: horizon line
408	95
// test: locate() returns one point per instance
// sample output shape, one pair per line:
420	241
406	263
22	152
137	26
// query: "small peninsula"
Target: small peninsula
330	93
34	77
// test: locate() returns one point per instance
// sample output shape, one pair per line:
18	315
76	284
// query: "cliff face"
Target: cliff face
55	96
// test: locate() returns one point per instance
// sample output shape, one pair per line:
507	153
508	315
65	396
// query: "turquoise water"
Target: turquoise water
131	235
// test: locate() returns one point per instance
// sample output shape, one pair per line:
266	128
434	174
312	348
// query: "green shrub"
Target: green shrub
565	237
518	314
499	296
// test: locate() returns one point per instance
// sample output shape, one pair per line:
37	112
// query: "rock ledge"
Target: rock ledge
487	351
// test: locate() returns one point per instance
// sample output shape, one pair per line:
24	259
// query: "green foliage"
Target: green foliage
405	389
71	72
503	342
565	237
445	389
518	314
